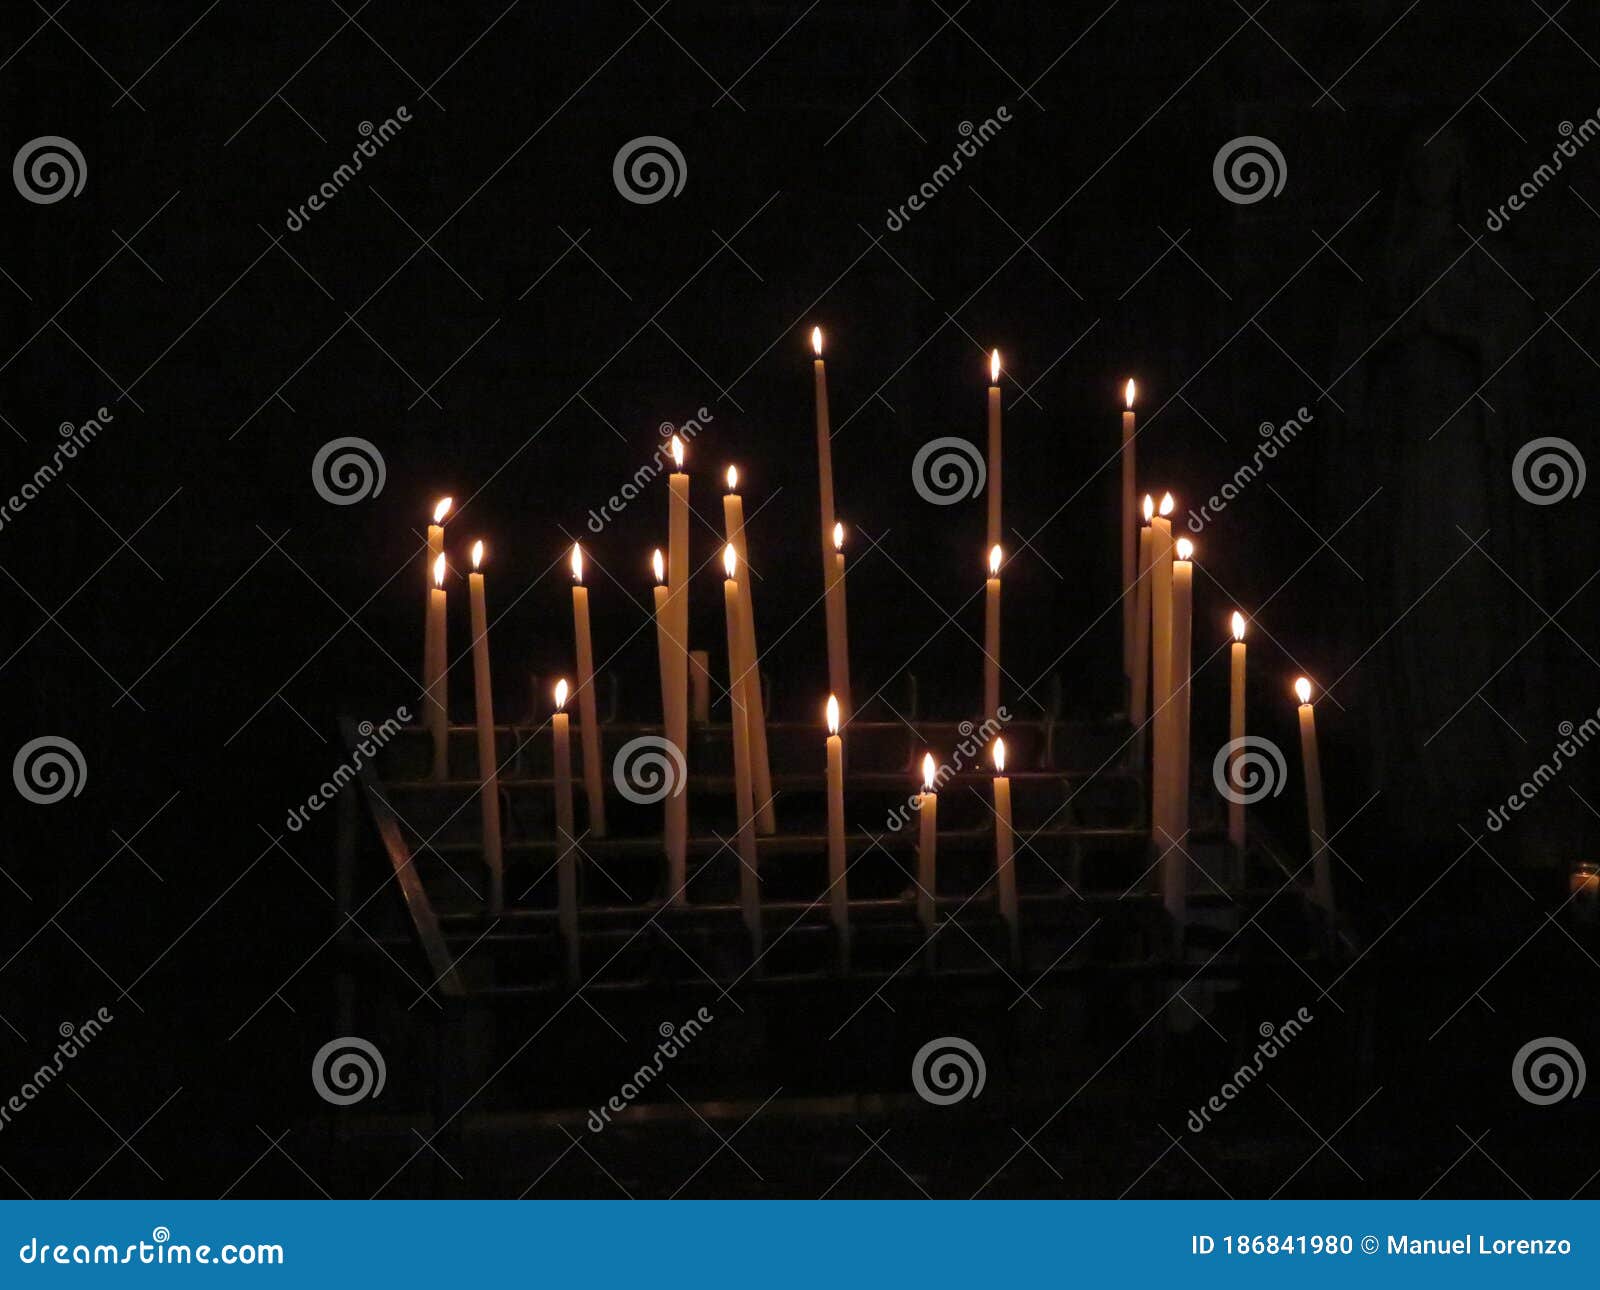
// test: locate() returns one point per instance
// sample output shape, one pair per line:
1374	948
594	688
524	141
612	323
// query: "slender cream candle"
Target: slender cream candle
927	846
1236	732
838	892
838	627
566	839
991	637
441	508
1004	846
436	704
1129	551
743	790
678	597
1316	816
675	806
589	728
1161	672
832	606
488	758
994	449
700	685
1139	704
756	707
1175	874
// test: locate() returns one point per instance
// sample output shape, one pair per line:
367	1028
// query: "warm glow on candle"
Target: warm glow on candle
1185	549
561	693
1000	756
658	565
833	714
441	508
994	368
816	340
438	571
577	563
838	537
1302	687
1129	392
928	772
733	479
677	452
1238	625
994	561
1167	504
1149	508
477	553
730	559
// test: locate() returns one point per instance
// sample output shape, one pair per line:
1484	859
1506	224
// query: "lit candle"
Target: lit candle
678	596
838	892
488	759
441	508
589	730
1316	816
1236	732
1004	842
755	701
436	705
819	374
1139	704
743	790
566	840
927	844
700	684
1174	874
838	627
1161	671
1129	551
991	637
675	807
994	448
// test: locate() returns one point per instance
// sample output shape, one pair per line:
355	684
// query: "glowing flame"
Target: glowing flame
441	508
1185	549
733	479
929	770
1302	687
833	714
1000	756
730	559
1167	504
1149	508
1238	625
477	553
659	565
816	341
838	537
994	560
1129	392
994	367
677	452
561	694
577	563
438	570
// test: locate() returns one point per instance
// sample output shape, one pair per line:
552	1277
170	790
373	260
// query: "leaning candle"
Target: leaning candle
927	844
1129	553
1316	817
1004	843
838	627
994	448
1161	671
1235	794
675	807
593	785
566	841
1139	704
488	760
991	637
743	791
1173	873
838	893
819	375
756	713
441	508
436	704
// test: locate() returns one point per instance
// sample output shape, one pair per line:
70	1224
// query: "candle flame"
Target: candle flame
1129	392
730	559
833	714
441	508
577	563
659	565
477	553
1238	625
1149	508
928	772
994	367
994	560
816	341
1167	504
838	536
1000	756
1185	549
1302	687
561	694
438	570
677	452
733	479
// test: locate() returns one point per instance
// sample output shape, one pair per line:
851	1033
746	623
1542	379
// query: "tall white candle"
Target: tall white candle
743	788
1139	703
1004	848
1236	665
588	713
927	847
1316	815
991	637
1128	536
838	891
441	508
838	628
756	710
436	702
1174	875
675	807
1161	673
995	465
566	841
488	758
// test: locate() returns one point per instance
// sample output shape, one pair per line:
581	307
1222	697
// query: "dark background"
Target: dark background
184	606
